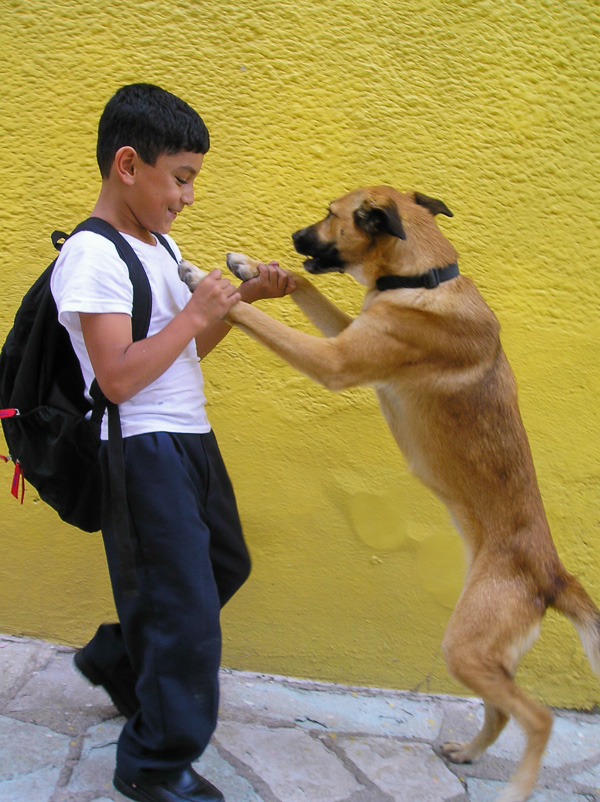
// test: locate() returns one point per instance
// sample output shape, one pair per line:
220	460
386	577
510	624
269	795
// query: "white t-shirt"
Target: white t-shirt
90	276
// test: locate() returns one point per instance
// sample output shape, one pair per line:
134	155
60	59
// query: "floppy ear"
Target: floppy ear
434	206
375	220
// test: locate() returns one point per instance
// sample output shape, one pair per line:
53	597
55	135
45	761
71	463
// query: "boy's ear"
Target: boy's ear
125	163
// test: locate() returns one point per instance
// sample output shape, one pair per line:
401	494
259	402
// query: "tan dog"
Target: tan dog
432	351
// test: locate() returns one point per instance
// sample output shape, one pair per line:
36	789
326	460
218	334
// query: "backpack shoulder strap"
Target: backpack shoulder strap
142	296
140	321
164	242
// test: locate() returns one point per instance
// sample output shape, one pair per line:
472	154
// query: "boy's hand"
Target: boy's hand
211	300
272	282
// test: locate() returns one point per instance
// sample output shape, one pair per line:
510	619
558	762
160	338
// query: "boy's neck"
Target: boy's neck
117	213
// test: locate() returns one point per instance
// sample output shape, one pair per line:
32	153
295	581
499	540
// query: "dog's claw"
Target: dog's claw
190	274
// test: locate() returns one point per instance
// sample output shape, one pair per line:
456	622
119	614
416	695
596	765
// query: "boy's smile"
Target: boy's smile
161	191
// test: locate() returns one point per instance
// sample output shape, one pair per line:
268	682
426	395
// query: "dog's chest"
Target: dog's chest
404	420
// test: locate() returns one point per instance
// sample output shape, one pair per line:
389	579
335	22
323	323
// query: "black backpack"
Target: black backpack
52	431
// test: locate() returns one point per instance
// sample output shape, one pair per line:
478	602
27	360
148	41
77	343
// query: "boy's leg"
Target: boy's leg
171	628
228	551
104	661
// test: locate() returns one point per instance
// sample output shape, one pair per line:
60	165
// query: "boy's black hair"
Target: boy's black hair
150	120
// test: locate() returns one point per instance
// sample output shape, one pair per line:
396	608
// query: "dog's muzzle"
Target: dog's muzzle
324	257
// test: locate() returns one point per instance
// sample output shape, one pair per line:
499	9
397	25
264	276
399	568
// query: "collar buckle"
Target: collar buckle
431	279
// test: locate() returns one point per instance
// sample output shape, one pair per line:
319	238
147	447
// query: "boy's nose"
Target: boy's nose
187	196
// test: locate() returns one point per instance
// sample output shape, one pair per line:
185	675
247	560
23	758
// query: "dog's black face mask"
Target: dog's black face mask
324	257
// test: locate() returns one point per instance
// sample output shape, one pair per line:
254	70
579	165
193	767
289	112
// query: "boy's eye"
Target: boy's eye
180	180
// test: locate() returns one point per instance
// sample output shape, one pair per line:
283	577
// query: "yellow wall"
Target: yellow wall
493	107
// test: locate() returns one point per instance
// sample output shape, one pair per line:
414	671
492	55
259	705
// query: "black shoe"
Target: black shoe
189	786
121	700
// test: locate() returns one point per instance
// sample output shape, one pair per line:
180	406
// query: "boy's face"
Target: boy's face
161	191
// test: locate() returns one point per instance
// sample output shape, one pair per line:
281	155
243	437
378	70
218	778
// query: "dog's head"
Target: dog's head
377	231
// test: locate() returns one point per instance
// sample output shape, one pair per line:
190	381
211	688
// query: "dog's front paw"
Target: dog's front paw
242	266
190	274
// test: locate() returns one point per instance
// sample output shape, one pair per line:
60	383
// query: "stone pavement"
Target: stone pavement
279	740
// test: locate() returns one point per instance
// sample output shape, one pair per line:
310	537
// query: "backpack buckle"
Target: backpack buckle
58	239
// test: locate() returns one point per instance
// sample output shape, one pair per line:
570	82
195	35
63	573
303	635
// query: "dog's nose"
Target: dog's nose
302	240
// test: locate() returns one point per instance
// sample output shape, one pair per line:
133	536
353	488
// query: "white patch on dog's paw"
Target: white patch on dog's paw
190	274
242	266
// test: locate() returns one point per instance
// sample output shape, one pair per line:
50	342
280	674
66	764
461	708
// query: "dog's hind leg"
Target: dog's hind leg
535	720
482	650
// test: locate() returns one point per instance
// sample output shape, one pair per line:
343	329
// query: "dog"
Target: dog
429	345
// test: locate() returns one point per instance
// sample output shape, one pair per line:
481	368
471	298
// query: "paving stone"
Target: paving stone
404	771
219	772
36	786
297	742
589	778
571	741
488	791
392	715
96	766
294	766
60	698
26	748
14	657
462	719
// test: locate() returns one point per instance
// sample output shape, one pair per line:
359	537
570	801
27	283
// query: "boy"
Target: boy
160	663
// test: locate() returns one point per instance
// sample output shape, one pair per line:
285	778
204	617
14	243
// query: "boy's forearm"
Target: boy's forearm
146	360
123	368
249	292
209	339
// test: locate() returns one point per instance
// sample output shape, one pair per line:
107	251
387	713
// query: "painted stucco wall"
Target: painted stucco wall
493	107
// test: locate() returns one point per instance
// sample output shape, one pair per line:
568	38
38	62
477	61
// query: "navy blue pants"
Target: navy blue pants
190	559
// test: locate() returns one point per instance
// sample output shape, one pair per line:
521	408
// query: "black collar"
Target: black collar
429	280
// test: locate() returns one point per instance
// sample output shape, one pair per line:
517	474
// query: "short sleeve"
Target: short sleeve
89	276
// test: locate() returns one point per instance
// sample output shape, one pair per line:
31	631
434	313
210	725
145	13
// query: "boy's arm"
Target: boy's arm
123	367
271	282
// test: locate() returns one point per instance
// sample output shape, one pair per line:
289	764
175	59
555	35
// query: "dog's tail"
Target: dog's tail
573	601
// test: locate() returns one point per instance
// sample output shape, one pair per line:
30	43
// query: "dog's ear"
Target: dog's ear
433	205
375	220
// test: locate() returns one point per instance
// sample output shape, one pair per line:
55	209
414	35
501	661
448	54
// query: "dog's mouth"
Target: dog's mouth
322	258
317	266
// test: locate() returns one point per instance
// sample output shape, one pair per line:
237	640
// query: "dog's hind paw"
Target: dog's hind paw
513	794
457	752
190	274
